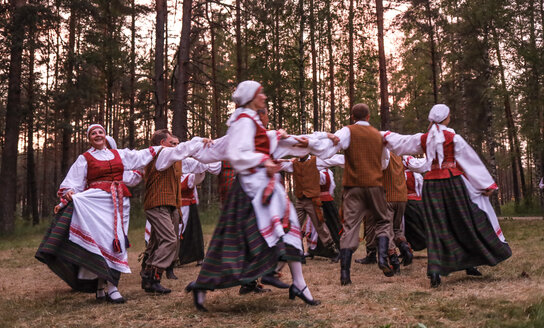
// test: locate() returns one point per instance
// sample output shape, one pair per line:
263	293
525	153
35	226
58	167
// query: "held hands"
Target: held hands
335	139
303	142
207	142
271	167
283	134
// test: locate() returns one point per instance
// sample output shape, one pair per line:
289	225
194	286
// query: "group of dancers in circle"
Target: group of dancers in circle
259	229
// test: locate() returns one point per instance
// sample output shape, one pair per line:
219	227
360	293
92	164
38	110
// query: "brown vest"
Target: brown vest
162	188
394	181
363	167
306	178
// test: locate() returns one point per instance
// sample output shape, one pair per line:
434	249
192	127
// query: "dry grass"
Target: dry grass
509	295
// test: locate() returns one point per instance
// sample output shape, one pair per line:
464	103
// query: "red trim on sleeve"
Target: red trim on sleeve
152	151
384	136
492	187
265	157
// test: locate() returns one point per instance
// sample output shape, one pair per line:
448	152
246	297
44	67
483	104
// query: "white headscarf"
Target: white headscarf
94	126
435	138
111	142
245	92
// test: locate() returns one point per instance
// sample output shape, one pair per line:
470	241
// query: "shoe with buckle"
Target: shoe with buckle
295	292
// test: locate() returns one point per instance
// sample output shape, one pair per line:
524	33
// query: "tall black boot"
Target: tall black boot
395	263
370	257
345	265
435	280
153	284
383	264
407	253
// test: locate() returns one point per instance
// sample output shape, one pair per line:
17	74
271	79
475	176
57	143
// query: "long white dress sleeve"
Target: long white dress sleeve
76	179
169	155
214	153
335	160
403	144
240	150
132	178
137	159
472	166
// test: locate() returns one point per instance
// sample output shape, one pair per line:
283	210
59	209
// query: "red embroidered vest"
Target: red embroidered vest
325	195
411	186
187	194
101	173
449	166
262	144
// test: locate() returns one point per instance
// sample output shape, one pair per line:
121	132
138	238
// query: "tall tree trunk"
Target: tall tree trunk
8	172
216	113
179	103
131	128
384	94
351	77
534	90
32	192
160	97
302	101
430	28
488	107
315	104
238	44
331	65
515	154
69	106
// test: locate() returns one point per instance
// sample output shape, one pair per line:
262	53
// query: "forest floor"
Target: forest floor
508	295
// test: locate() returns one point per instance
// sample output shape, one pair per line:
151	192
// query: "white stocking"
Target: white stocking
113	292
298	278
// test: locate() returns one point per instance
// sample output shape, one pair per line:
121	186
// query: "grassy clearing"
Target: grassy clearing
509	295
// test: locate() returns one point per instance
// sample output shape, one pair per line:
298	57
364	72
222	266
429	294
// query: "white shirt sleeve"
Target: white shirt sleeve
403	144
137	159
286	166
132	178
335	160
214	168
76	179
240	150
418	179
472	166
418	165
216	152
169	155
385	158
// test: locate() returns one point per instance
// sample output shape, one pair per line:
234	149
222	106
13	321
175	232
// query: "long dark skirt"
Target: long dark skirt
414	225
330	213
238	254
65	258
459	235
191	248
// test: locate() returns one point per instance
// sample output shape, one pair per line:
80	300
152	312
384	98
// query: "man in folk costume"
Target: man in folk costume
162	203
456	199
365	160
308	191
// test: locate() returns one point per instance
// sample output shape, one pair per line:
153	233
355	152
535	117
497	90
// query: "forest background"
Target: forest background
136	66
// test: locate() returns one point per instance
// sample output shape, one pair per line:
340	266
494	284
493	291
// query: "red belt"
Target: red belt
445	165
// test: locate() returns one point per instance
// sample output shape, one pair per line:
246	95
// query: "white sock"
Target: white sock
298	278
113	292
201	296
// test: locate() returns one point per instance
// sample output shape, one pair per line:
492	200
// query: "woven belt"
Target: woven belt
445	165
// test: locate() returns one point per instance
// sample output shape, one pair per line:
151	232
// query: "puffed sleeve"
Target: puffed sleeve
214	153
472	166
335	160
76	179
137	159
132	178
240	150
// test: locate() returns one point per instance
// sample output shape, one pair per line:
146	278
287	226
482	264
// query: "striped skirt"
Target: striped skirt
65	258
191	248
414	225
459	235
237	253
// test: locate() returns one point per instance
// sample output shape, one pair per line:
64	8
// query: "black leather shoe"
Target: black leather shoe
370	258
252	287
119	300
435	280
345	266
473	272
407	253
294	291
394	260
191	288
100	295
153	284
269	279
383	264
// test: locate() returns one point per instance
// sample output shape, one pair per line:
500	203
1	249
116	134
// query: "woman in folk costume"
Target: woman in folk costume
258	224
86	245
191	248
414	222
460	235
